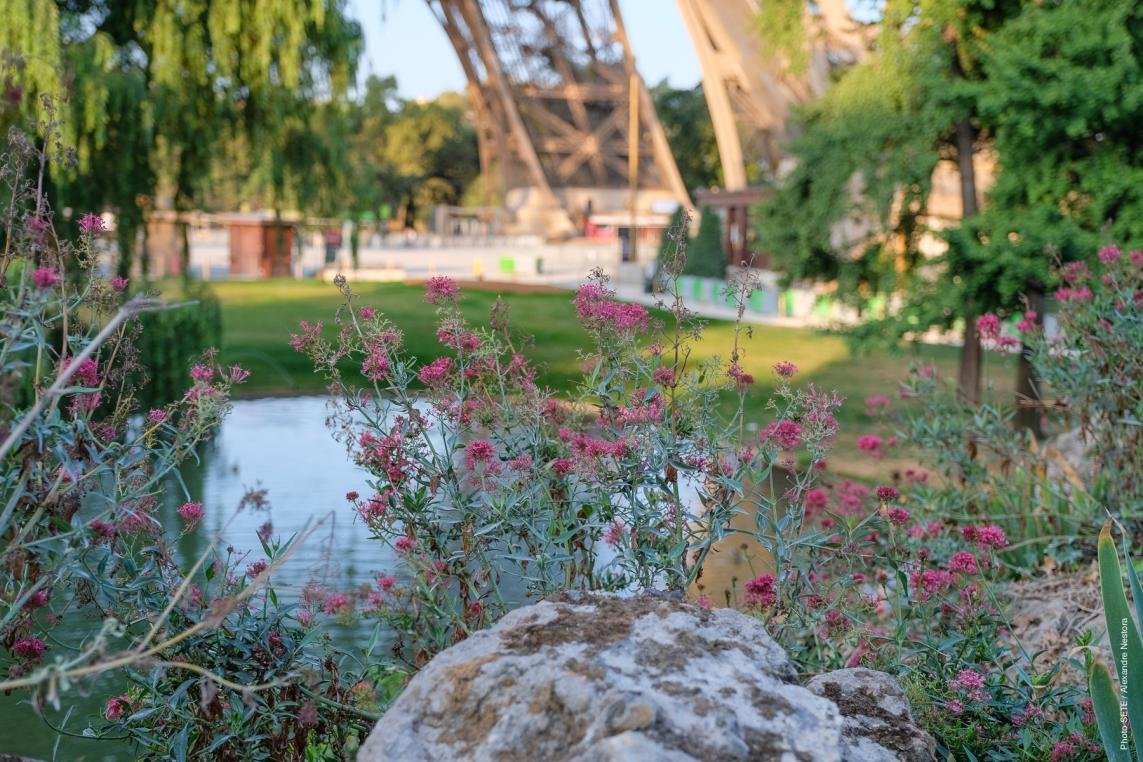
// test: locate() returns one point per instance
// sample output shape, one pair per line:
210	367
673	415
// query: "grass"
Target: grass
258	317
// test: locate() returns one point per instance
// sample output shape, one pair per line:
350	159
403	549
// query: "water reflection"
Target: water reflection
284	447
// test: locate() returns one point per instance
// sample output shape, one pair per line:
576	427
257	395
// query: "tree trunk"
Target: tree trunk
1028	413
968	377
184	252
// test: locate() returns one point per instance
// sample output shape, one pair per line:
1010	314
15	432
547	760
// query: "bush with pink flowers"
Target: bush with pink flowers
91	512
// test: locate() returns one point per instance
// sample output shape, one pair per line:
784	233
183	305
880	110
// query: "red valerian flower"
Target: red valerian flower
191	514
90	224
116	707
45	277
785	368
29	648
760	591
886	494
441	289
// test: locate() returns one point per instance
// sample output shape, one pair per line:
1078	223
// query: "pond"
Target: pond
280	445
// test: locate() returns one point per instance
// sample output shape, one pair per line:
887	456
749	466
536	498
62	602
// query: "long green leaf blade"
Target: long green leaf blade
1126	645
1105	703
1133	578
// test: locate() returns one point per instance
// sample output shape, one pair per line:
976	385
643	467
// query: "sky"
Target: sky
403	38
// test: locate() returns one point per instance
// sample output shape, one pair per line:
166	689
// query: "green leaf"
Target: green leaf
1133	578
1126	646
1105	703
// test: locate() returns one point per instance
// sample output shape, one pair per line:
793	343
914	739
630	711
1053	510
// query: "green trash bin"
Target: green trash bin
507	265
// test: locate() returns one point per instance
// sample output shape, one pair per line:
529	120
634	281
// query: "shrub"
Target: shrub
89	526
706	257
491	491
169	341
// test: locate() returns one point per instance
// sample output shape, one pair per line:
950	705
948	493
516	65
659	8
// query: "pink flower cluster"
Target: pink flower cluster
614	533
29	648
1027	322
202	373
985	536
191	514
988	326
375	366
479	451
648	408
116	707
458	339
785	369
963	562
85	374
663	376
970	683
45	277
887	494
740	377
309	337
1080	294
436	372
871	443
386	454
594	305
896	515
785	434
441	289
876	404
90	224
928	582
760	591
588	447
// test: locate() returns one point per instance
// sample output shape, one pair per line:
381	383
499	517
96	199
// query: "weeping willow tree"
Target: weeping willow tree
155	94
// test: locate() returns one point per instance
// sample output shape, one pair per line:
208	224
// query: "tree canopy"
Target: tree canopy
151	93
1052	90
690	132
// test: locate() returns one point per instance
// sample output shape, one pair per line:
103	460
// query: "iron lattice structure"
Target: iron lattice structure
551	83
750	96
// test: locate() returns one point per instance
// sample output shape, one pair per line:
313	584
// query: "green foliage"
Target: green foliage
1053	86
781	29
866	141
1064	97
160	93
170	341
686	121
706	257
1127	648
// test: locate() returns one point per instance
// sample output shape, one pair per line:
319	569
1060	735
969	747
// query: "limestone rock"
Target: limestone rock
598	678
877	724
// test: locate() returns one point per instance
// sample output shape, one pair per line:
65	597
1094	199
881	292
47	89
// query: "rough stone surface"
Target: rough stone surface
877	724
597	678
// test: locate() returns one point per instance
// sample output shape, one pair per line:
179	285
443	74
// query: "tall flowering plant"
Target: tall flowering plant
91	508
493	490
81	475
1093	366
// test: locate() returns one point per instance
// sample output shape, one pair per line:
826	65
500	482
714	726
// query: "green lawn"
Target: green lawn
259	316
